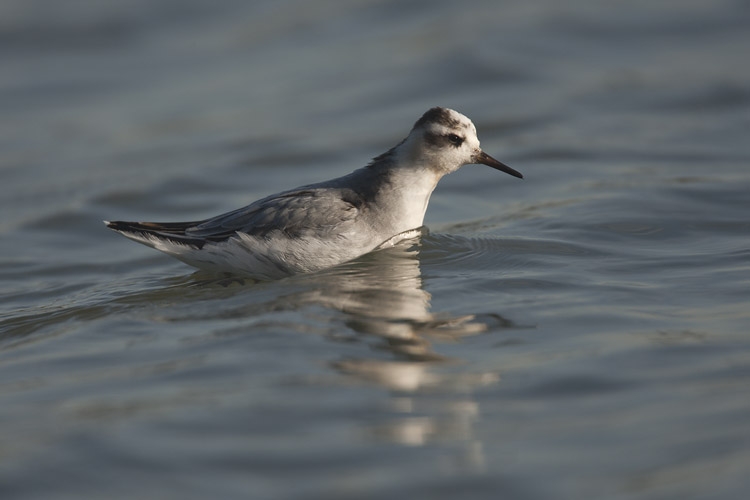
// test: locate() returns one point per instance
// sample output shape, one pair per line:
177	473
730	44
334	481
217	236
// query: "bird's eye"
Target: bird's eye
455	140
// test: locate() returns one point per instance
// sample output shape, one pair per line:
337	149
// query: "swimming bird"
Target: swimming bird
321	225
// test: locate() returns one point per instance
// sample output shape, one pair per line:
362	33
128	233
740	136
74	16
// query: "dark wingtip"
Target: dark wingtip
118	225
169	231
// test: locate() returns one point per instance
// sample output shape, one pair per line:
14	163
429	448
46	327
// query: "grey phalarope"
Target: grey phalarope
325	224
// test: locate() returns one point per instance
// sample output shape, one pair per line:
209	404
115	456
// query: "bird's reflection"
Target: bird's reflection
381	296
379	300
382	299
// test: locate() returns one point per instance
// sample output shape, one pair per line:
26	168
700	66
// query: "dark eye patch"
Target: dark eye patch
455	140
443	140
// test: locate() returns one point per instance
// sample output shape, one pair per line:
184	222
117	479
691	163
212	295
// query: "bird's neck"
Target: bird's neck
414	190
404	190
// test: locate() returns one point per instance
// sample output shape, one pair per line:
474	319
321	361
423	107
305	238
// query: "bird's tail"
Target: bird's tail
157	234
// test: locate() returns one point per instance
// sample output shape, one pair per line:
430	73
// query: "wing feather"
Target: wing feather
295	213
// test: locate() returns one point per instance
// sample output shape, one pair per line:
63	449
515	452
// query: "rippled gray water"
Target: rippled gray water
582	333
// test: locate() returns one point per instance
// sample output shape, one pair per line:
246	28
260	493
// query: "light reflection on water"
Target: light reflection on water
382	297
383	304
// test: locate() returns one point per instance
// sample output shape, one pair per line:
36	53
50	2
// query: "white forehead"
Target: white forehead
461	119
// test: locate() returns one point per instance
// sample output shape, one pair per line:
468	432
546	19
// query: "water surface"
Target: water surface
582	333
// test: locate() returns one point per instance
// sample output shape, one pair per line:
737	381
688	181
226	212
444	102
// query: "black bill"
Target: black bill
486	159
